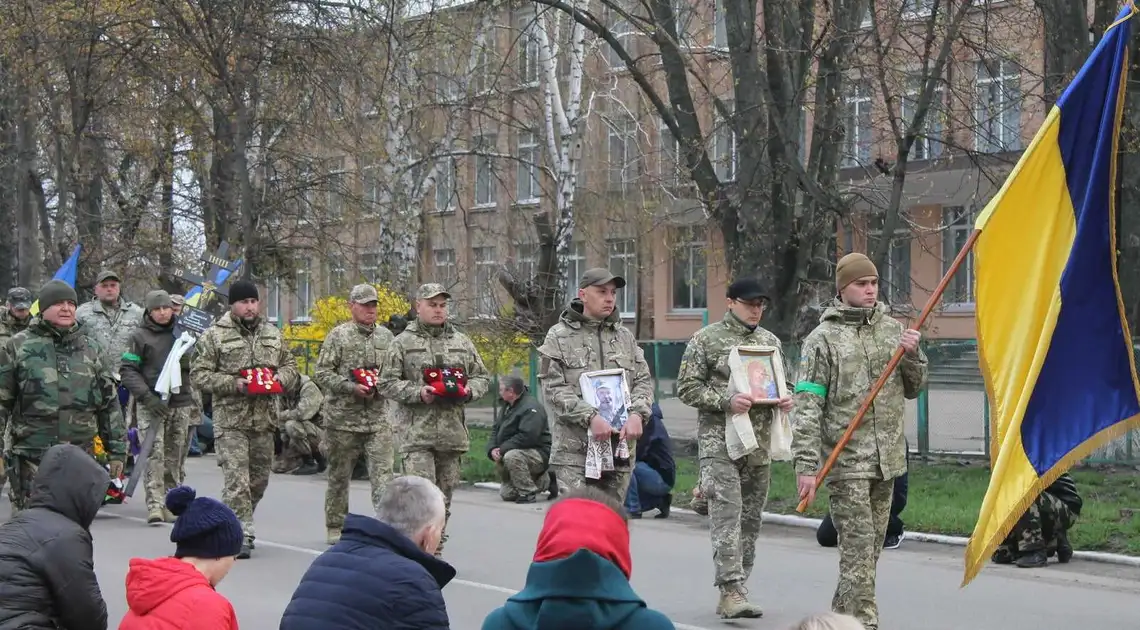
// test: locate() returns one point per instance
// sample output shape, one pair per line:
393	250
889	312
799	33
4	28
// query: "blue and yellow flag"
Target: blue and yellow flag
1054	344
66	272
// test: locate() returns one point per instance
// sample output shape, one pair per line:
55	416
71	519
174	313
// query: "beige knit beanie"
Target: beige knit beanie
852	267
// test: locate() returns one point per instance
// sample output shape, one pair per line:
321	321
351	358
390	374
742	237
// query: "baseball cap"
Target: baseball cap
19	298
598	276
430	290
747	289
107	274
178	300
363	294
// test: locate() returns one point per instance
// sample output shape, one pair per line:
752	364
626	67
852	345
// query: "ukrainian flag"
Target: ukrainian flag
67	272
1055	348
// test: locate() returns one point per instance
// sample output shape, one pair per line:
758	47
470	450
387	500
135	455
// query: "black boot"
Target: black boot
1033	559
309	467
322	463
553	489
666	504
1064	549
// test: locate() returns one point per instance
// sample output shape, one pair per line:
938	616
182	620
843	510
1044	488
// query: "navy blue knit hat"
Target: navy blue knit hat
205	527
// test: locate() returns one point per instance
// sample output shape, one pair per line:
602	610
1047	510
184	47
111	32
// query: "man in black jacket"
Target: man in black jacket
47	581
520	445
651	485
1043	528
147	350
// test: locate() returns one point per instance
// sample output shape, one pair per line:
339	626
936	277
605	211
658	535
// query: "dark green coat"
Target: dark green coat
521	425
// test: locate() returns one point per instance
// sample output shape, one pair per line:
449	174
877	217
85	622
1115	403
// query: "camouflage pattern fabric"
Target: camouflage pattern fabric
111	327
347	347
302	440
8	326
244	425
56	389
578	344
344	449
439	426
573	477
522	473
20	471
246	458
860	509
444	469
165	462
839	362
1040	525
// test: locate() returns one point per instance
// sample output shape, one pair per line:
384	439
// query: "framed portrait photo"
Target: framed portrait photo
759	370
608	392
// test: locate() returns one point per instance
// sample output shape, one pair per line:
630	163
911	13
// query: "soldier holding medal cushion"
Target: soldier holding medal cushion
242	361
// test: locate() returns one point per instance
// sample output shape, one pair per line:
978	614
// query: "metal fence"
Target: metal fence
950	416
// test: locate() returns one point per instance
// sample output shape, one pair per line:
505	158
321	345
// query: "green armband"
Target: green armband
132	358
811	388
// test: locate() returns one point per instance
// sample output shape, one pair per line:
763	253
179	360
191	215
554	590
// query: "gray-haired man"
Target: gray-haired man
520	445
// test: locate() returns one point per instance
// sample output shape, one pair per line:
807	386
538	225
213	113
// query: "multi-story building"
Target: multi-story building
636	214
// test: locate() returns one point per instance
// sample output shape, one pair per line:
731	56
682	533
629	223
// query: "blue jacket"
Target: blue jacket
375	577
582	592
656	449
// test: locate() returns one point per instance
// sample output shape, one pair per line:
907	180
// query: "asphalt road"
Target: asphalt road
492	542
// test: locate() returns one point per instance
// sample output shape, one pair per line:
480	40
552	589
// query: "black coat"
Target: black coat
521	425
656	449
47	575
147	350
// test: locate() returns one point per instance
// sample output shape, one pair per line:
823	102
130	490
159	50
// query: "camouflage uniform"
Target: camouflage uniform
55	389
436	437
839	362
578	344
522	435
353	425
9	325
244	424
1044	527
736	490
111	327
300	423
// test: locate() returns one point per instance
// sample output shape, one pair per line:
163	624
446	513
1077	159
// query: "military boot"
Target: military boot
1064	549
333	536
308	467
155	516
168	516
552	490
734	603
663	509
246	549
322	463
1033	559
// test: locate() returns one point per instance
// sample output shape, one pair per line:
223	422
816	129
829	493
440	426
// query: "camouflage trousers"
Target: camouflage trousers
246	458
302	441
860	509
344	449
522	473
21	472
1040	525
443	468
570	477
167	458
737	492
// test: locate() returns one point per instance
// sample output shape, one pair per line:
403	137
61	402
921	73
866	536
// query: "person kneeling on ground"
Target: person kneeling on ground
651	484
177	593
520	445
47	577
829	621
381	574
827	536
1044	528
580	574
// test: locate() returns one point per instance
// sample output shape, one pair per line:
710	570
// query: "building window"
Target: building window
575	267
624	33
336	190
959	223
446	189
370	189
720	26
527	175
724	147
998	107
528	49
444	270
485	171
273	300
894	282
917	8
690	270
370	267
303	291
484	66
683	14
929	142
337	275
622	151
526	262
623	262
484	287
668	162
857	126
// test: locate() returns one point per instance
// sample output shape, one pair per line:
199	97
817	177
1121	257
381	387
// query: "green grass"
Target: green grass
944	497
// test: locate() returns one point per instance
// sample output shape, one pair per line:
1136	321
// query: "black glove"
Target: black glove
155	405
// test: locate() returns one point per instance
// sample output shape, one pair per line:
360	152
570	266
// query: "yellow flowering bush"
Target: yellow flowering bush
328	313
504	352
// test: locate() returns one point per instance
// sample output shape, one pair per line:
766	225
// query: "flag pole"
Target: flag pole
935	297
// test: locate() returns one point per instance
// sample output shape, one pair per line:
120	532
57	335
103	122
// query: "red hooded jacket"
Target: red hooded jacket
169	594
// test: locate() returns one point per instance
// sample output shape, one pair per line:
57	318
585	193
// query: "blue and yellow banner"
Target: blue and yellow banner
1054	344
67	272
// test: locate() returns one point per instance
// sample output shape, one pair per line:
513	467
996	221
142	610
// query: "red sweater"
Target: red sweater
169	594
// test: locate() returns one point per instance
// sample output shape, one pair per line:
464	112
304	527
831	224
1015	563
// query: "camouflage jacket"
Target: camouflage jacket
345	348
10	325
839	362
111	329
441	425
222	352
576	345
56	388
702	383
303	405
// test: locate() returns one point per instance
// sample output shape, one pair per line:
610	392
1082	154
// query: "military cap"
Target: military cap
430	290
363	294
19	298
178	300
107	274
599	276
747	289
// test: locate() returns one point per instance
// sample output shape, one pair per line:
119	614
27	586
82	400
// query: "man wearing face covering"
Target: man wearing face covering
47	577
56	388
244	409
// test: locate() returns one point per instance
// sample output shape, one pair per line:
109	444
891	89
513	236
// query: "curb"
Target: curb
789	520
